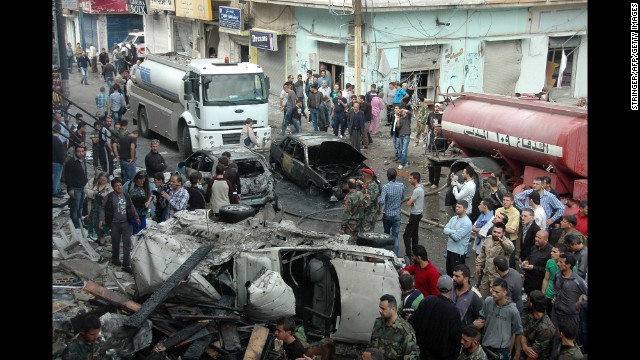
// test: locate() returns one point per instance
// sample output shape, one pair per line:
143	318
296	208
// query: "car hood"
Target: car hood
337	152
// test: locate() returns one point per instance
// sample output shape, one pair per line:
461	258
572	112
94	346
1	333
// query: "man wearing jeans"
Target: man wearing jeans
127	155
58	152
75	176
390	201
403	125
458	230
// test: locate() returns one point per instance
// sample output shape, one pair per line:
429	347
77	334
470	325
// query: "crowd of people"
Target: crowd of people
530	293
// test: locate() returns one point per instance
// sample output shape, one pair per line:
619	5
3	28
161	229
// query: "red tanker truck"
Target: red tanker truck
523	138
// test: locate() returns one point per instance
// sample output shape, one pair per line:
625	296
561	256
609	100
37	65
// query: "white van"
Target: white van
138	41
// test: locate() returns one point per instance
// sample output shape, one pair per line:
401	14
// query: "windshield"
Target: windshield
234	89
129	37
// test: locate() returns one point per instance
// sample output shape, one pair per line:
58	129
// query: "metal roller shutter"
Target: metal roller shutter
416	58
331	53
90	30
118	26
274	64
501	66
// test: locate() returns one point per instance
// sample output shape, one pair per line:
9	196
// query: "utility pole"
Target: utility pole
62	49
357	51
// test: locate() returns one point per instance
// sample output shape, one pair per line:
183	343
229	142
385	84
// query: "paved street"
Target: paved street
295	201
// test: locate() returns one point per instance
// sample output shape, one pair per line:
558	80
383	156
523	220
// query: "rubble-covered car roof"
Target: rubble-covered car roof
333	150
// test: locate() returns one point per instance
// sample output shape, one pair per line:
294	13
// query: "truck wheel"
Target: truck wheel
376	240
185	144
143	122
235	212
313	190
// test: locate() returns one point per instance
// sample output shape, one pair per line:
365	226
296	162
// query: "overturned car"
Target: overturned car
317	162
271	269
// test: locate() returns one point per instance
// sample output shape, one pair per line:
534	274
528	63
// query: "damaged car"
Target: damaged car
271	270
256	179
317	162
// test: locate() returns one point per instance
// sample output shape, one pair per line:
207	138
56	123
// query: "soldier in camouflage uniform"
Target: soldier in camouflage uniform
538	330
85	344
393	335
494	245
354	205
371	191
567	332
421	114
471	349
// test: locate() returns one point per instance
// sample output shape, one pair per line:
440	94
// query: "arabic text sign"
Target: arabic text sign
69	4
137	7
230	19
504	139
267	40
169	5
194	9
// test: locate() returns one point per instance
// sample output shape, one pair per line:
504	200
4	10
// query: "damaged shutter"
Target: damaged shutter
502	61
417	58
274	64
90	28
331	53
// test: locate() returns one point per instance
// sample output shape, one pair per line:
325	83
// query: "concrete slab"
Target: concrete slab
84	268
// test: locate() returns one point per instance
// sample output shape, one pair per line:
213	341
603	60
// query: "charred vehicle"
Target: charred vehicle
255	178
317	162
267	270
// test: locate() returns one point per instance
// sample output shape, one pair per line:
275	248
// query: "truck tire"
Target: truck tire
143	122
376	240
185	143
235	212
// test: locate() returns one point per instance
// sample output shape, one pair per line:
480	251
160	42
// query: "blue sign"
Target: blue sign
267	40
230	19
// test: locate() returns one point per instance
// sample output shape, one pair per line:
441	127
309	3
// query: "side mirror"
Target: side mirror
267	83
187	89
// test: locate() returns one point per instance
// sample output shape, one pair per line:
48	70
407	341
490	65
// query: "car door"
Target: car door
293	162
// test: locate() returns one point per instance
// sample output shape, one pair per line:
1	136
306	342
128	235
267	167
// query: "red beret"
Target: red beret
367	171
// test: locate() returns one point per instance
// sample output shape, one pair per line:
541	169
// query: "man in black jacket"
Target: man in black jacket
231	174
154	162
75	176
117	212
437	324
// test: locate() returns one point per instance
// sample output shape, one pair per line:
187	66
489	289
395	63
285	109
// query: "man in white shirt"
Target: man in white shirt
467	189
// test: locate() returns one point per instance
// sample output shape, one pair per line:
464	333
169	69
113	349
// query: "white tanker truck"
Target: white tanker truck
200	103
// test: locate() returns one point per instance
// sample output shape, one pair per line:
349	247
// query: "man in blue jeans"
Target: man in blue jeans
390	201
127	155
404	136
75	176
58	154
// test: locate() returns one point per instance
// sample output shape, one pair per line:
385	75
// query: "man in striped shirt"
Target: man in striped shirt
551	205
101	104
390	201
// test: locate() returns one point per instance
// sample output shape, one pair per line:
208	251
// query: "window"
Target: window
234	89
298	153
207	165
556	46
194	161
424	82
140	40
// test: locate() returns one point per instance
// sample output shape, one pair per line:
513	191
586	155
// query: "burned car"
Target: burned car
255	178
271	270
317	162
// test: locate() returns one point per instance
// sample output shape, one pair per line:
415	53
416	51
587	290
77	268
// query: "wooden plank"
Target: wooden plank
112	297
195	351
229	336
256	343
179	336
59	305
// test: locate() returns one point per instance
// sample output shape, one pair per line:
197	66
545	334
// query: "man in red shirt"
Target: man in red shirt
583	220
426	275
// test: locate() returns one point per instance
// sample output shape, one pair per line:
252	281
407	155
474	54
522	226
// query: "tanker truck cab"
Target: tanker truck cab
201	103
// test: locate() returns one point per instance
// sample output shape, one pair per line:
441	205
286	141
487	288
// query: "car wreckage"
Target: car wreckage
270	270
317	162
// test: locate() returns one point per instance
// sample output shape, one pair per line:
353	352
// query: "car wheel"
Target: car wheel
313	190
143	122
376	240
235	212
